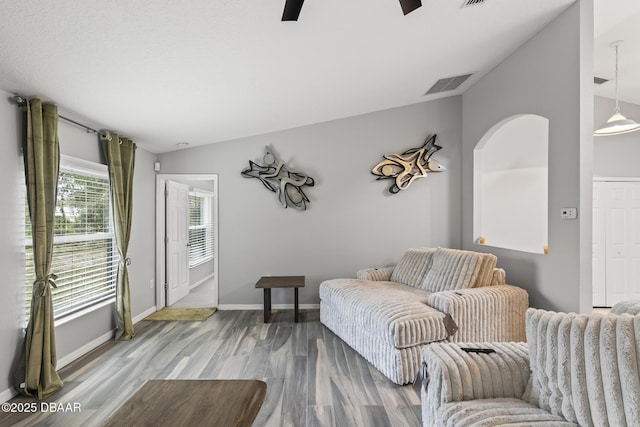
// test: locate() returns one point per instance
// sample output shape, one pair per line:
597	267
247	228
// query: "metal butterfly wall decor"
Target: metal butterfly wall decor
407	167
276	177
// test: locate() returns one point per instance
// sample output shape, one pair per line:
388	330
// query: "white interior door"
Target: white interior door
177	238
620	205
623	241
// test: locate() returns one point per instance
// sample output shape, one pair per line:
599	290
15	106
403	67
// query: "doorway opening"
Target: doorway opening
187	240
616	240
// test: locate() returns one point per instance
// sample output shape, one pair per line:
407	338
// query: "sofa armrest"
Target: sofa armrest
491	313
454	375
375	273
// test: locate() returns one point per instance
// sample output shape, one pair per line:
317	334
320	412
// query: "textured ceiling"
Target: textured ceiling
204	71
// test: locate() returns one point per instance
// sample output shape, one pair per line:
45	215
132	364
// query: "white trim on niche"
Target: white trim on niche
616	179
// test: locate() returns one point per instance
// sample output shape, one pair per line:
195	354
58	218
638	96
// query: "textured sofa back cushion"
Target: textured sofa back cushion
498	277
487	268
631	306
412	266
585	367
452	269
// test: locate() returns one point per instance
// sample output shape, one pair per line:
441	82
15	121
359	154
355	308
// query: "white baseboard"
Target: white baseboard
260	306
148	312
62	362
98	341
7	394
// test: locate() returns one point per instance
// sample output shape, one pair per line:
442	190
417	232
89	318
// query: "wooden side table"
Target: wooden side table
269	282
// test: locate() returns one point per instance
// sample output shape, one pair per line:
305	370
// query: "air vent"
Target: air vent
599	80
472	3
450	83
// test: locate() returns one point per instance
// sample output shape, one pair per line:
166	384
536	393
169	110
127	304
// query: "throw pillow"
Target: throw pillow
631	306
452	269
412	266
485	274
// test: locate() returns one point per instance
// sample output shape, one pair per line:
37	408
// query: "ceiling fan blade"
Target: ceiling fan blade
409	6
292	10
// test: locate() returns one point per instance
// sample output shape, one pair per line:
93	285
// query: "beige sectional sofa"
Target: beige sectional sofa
574	370
388	314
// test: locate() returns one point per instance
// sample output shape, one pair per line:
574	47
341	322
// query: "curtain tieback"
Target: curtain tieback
42	285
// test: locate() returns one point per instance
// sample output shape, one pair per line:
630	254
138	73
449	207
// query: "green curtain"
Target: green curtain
120	154
37	374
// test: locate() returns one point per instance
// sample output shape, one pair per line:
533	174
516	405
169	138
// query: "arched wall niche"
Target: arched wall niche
510	197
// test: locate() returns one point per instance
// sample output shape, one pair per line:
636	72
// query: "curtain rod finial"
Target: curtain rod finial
19	100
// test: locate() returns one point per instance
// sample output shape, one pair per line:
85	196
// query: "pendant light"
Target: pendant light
617	124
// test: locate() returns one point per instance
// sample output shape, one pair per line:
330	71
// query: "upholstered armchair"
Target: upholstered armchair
574	370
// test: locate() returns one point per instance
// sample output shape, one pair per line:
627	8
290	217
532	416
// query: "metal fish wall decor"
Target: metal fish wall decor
407	167
276	177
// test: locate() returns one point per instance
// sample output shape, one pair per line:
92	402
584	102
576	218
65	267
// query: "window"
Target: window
200	228
85	256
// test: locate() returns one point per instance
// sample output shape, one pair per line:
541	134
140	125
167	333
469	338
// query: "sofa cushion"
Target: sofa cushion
375	273
487	270
585	367
499	277
631	306
452	269
494	412
396	313
412	266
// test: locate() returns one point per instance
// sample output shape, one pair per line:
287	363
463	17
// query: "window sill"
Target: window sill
78	314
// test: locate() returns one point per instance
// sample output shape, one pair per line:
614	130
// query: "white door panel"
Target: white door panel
177	224
619	204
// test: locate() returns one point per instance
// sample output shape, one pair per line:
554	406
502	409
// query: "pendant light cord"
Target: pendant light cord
617	109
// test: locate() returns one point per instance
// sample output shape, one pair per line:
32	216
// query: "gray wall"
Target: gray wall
351	222
11	239
75	334
550	75
619	155
200	273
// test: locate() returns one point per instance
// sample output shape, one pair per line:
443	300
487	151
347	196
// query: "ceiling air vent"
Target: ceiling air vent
599	80
472	3
450	83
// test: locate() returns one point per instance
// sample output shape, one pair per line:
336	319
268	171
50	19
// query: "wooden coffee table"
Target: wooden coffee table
268	282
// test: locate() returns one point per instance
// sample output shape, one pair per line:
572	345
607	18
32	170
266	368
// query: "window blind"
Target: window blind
200	228
85	256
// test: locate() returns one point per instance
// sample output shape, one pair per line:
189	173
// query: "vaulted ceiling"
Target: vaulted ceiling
164	72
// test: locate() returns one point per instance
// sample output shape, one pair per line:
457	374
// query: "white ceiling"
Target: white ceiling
163	71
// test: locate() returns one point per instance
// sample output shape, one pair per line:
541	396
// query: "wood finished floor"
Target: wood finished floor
313	378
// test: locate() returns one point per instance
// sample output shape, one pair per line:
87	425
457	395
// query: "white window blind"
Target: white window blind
200	228
84	252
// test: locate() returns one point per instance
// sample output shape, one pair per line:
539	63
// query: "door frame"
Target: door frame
161	180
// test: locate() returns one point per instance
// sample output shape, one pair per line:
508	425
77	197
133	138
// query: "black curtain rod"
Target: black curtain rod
21	101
